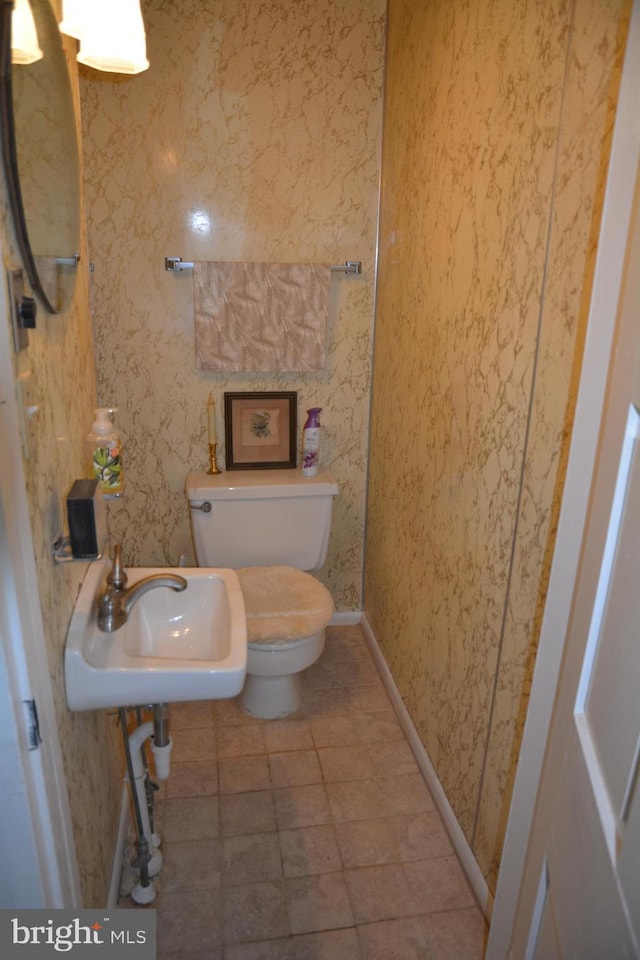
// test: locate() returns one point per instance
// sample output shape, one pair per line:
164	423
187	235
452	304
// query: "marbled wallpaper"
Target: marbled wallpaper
594	68
60	361
254	136
496	138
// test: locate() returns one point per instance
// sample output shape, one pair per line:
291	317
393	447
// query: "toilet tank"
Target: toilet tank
261	518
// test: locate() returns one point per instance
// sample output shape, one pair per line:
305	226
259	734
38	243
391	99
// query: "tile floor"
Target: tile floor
311	838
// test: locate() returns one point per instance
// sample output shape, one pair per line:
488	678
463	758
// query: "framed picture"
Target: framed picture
260	430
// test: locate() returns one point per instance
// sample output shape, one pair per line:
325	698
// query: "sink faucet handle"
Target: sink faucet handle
117	577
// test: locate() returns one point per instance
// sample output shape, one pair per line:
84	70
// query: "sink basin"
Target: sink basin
189	645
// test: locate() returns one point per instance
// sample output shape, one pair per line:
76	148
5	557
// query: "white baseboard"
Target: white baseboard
345	618
457	837
118	855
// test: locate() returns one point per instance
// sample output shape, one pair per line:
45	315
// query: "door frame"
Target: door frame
39	858
603	312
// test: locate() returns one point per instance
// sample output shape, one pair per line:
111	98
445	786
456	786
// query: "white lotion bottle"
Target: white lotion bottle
311	443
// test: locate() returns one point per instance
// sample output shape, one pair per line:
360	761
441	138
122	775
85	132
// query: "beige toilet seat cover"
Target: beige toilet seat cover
283	604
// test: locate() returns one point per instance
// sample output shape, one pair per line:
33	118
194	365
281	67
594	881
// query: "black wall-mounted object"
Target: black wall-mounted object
23	309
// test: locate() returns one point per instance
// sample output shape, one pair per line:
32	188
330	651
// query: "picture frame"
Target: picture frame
260	430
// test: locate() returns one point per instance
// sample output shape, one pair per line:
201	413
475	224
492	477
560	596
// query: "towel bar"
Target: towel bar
175	264
349	266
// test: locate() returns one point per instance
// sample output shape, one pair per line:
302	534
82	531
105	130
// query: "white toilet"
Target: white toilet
270	526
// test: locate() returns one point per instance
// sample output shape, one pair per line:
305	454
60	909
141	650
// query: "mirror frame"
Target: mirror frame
10	161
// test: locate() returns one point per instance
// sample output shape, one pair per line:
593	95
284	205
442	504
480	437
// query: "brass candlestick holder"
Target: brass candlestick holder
213	466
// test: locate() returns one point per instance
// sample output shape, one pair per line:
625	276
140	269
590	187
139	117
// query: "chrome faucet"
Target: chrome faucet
116	601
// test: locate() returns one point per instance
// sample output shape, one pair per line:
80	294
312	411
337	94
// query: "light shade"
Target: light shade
76	15
111	34
24	37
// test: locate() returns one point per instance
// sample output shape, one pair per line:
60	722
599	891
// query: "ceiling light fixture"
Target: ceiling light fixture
25	47
111	34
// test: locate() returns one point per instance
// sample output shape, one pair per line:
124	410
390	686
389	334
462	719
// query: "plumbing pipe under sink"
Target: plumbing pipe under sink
161	753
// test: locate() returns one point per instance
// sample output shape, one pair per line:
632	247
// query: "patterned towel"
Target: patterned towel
260	316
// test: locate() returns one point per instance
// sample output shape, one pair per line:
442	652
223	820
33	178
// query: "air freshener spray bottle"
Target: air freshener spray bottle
311	443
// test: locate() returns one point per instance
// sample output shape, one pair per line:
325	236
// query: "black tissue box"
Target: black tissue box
87	520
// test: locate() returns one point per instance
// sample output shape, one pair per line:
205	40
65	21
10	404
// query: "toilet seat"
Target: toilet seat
287	612
283	605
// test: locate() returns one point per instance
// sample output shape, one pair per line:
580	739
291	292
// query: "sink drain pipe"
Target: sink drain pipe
161	744
145	891
149	786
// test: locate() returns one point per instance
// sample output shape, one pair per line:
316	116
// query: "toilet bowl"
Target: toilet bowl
287	615
272	526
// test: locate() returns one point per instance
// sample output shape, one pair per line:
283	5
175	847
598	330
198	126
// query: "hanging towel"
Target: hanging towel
260	316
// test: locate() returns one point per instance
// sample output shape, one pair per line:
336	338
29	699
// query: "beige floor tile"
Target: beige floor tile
229	711
196	713
354	800
336	731
190	865
393	758
379	893
285	859
254	911
243	774
345	763
328	945
294	768
363	670
439	884
318	903
318	702
193	743
211	953
371	698
190	818
405	794
363	843
301	806
258	950
421	835
192	913
378	729
283	735
394	940
250	858
323	673
456	934
246	813
328	672
309	850
192	779
341	647
240	740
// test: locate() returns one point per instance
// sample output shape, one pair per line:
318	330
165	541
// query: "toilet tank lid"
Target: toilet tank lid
263	484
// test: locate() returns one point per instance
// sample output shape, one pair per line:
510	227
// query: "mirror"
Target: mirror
40	155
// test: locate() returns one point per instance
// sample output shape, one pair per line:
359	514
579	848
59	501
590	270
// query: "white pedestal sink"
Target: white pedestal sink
174	646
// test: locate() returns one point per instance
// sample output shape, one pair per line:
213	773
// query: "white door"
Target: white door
37	856
21	879
581	890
